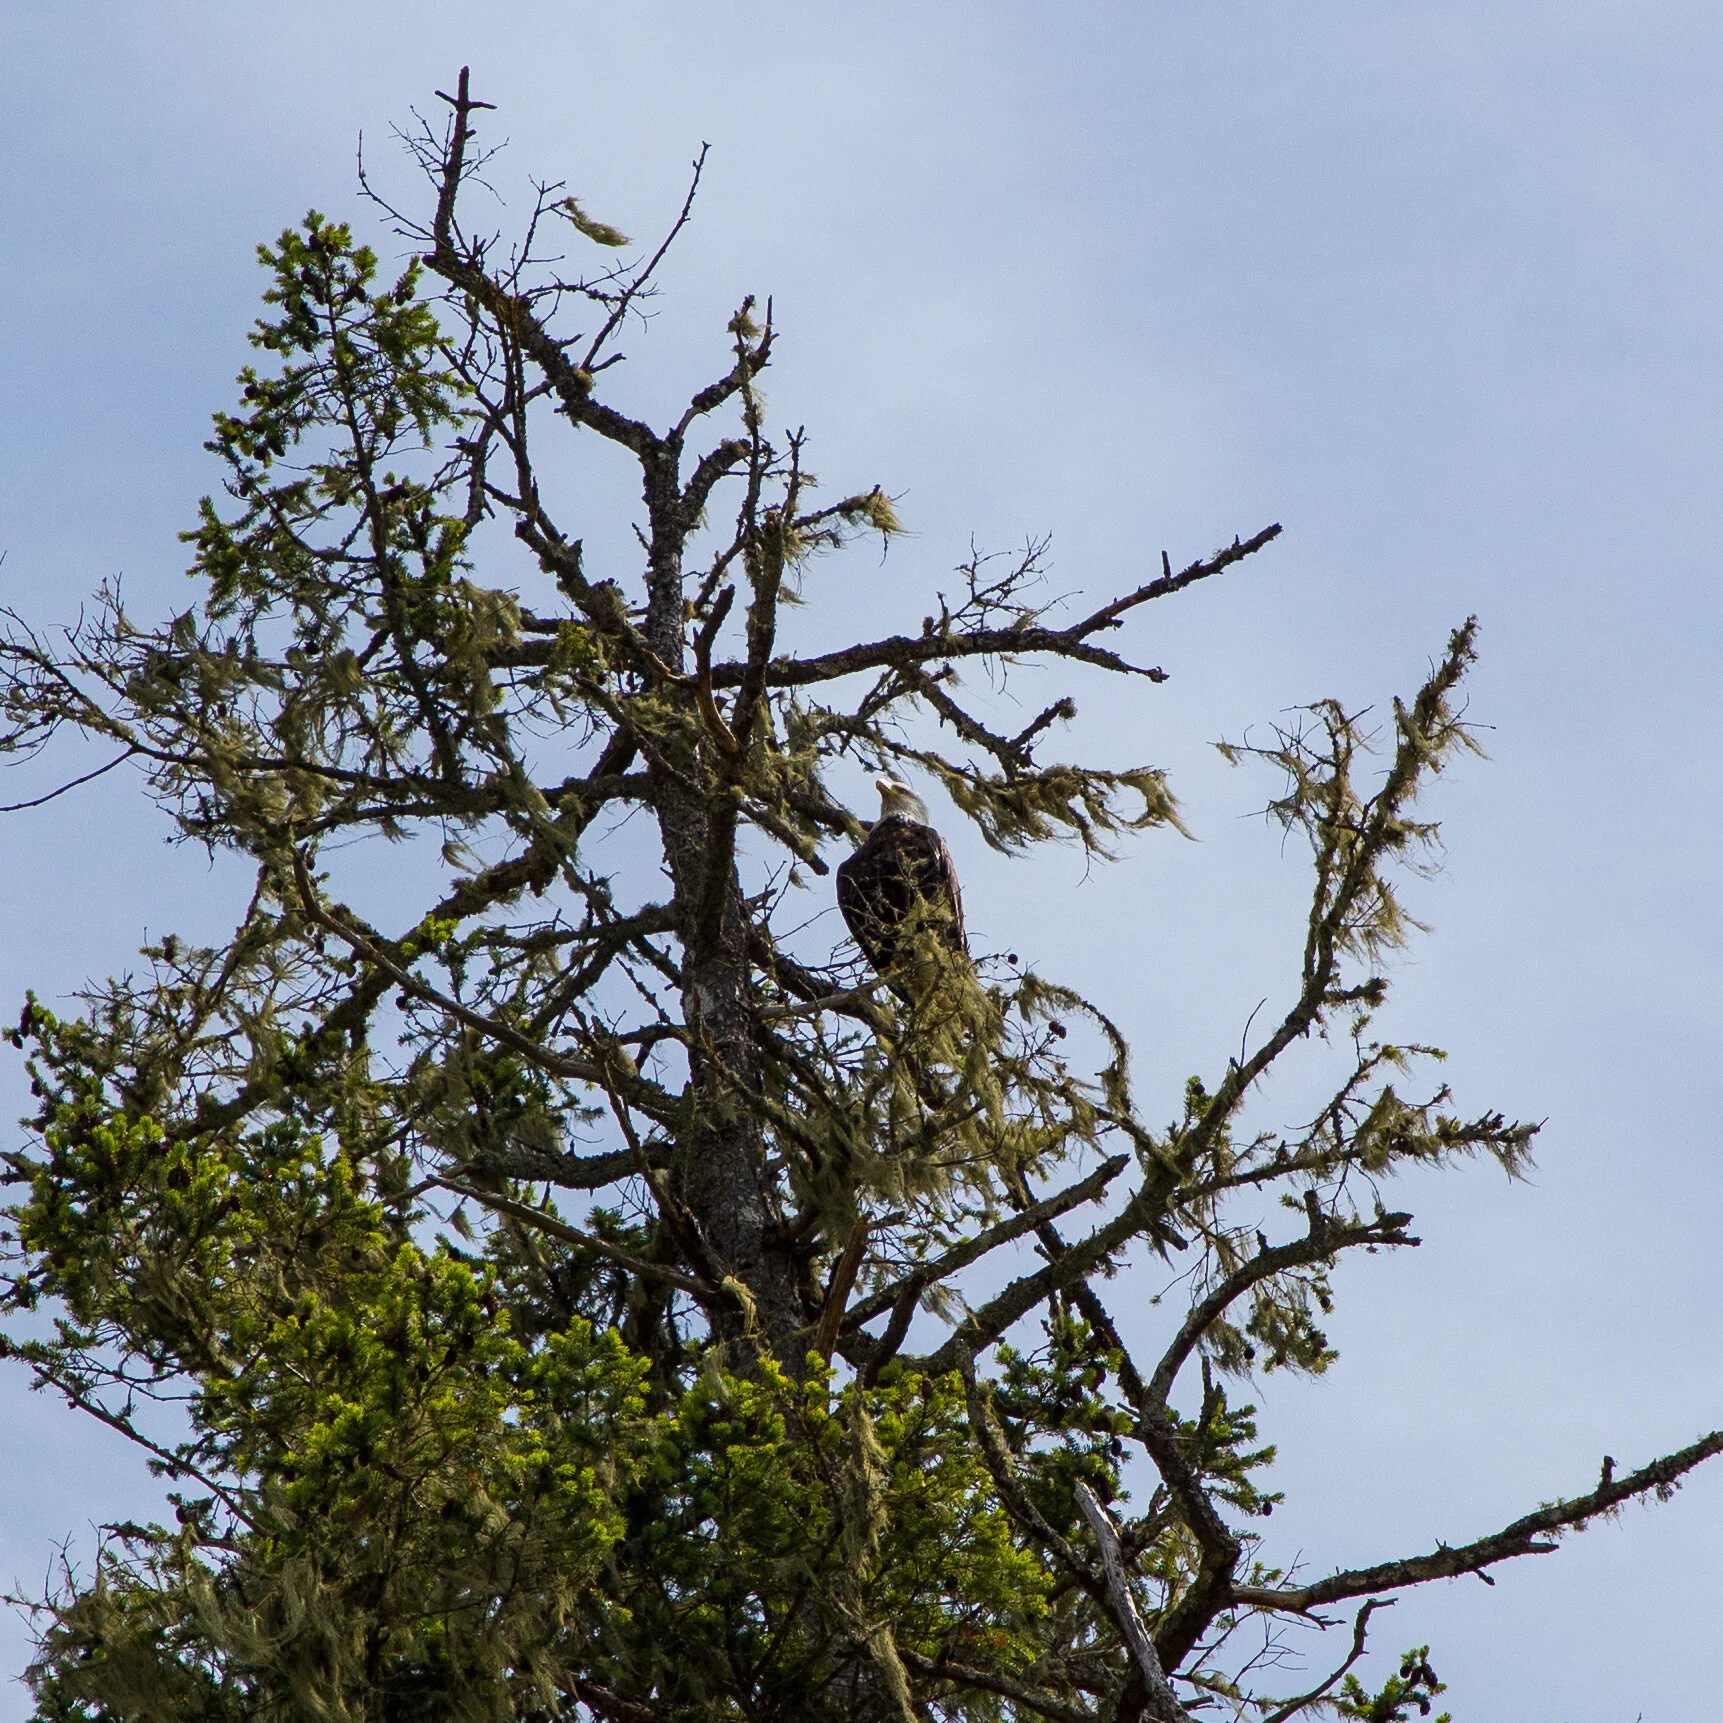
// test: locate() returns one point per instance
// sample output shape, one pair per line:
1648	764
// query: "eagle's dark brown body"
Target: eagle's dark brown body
900	861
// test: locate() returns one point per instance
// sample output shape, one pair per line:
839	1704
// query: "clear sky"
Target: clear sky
1434	284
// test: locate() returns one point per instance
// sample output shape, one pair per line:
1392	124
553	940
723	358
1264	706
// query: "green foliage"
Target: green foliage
411	1495
785	1523
1400	1697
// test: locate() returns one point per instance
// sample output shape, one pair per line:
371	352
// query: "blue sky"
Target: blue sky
1435	285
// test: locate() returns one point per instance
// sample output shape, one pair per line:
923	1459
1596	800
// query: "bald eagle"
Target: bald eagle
901	863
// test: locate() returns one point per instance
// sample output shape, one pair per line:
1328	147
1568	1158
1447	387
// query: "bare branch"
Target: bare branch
1163	1703
994	1318
843	1278
1526	1536
1324	1239
75	783
971	1250
1360	1624
986	1681
1014	642
174	1464
560	1229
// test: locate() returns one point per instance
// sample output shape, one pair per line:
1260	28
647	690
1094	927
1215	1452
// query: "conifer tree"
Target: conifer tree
554	1296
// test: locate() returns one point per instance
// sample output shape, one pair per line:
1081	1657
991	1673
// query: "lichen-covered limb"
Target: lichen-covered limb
1354	914
973	1249
1532	1534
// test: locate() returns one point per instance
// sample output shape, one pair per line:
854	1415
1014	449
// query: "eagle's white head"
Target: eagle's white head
899	798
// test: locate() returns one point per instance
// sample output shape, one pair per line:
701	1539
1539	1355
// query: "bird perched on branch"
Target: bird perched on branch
901	879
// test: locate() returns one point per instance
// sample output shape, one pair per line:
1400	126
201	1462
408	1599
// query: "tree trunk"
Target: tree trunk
720	1163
